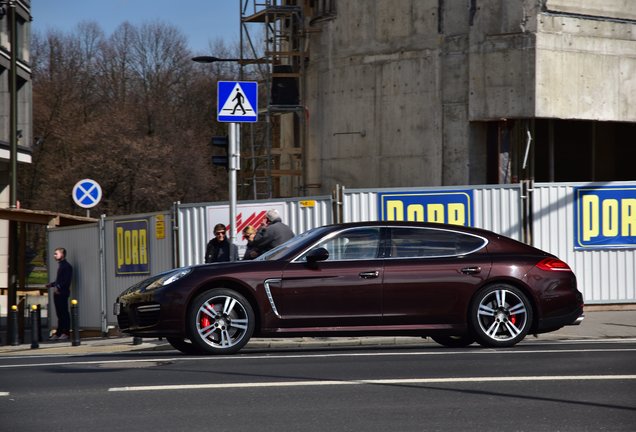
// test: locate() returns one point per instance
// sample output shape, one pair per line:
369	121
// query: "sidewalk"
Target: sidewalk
598	324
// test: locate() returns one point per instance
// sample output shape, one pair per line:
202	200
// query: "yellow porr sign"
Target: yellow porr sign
132	249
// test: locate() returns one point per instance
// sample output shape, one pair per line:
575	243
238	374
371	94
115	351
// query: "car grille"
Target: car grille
139	316
147	315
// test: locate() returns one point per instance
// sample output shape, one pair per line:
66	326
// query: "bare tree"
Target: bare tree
130	111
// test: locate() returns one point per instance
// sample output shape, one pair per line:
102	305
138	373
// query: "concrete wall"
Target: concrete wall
619	9
571	59
586	69
502	42
373	98
399	91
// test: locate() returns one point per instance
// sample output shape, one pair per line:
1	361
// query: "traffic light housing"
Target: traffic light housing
223	142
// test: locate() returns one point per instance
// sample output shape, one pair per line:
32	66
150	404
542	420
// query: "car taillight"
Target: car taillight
553	264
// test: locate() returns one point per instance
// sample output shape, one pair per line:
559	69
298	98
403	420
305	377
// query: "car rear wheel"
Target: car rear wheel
500	316
220	321
185	346
454	341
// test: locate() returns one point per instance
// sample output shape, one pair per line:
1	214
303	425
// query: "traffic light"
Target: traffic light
221	160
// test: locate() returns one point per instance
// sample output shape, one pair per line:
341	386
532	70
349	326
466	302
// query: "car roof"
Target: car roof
435	225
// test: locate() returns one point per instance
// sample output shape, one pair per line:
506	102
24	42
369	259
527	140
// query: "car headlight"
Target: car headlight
169	278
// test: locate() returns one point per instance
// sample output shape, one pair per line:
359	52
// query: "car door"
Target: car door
345	290
430	275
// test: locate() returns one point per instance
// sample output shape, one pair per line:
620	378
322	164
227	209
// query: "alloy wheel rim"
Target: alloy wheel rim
222	321
502	315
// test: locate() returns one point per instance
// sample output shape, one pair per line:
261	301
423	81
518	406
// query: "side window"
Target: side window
352	244
429	242
361	243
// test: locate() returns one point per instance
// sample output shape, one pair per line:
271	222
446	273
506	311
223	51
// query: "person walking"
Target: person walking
220	249
61	292
273	232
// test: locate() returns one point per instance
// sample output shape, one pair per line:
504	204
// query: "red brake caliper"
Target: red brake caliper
513	319
205	320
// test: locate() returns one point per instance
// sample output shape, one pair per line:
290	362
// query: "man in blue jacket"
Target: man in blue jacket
61	292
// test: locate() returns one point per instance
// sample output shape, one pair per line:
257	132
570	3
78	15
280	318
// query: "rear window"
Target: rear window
430	242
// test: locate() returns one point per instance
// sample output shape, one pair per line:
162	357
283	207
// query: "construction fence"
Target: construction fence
591	226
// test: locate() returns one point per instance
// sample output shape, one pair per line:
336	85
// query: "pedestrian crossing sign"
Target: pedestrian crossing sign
237	101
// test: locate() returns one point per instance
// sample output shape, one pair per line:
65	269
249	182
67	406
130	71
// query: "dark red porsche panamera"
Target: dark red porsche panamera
455	284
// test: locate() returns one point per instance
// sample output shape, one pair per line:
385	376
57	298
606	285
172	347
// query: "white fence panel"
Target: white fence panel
159	249
193	226
191	233
604	276
82	252
359	206
496	208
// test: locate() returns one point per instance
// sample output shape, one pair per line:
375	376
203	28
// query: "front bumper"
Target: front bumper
150	314
132	317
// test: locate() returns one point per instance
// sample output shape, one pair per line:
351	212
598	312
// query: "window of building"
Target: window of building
560	151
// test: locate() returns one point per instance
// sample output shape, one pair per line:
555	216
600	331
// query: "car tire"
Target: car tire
185	346
454	341
220	321
500	316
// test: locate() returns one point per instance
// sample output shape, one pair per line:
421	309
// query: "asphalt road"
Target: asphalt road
540	386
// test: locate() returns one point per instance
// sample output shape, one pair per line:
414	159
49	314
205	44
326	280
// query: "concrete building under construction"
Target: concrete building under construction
398	93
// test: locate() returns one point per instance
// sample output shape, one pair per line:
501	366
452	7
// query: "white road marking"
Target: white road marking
247	356
372	382
4	393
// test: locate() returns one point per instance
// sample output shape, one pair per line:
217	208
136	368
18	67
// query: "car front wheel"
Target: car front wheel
500	316
220	321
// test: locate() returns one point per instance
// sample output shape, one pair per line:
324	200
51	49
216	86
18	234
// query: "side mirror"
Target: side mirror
318	254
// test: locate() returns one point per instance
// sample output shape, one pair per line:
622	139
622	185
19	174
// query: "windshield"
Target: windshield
280	251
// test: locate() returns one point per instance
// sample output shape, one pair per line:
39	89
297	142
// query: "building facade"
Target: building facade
21	10
402	93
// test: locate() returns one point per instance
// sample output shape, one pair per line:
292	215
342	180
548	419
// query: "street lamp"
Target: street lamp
240	61
212	59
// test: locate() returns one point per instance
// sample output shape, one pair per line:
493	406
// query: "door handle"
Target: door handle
370	274
471	270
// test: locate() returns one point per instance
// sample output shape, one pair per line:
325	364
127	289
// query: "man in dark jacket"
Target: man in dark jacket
272	233
61	292
220	249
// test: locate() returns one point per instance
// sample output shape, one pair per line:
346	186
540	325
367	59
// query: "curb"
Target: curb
599	324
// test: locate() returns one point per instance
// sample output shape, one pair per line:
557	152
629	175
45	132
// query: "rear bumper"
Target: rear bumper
579	319
554	323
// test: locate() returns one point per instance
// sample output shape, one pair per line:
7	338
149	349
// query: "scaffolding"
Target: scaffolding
274	147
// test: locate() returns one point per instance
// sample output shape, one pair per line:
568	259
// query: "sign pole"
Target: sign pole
236	103
234	165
